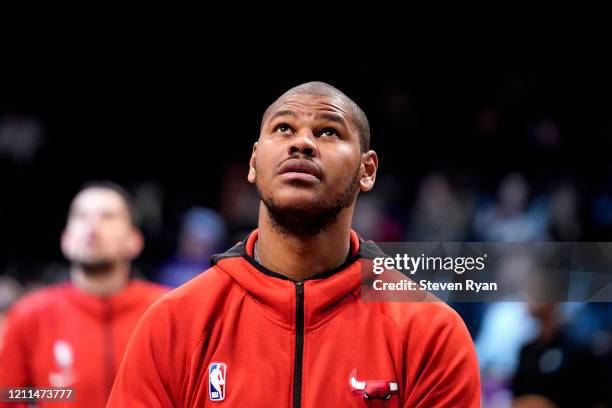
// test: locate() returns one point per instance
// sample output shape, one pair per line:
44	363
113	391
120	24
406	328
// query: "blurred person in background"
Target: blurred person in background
438	213
375	216
10	290
564	219
74	335
556	369
202	234
591	328
238	203
509	219
506	327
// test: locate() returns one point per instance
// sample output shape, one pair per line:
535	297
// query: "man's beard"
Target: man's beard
313	218
95	268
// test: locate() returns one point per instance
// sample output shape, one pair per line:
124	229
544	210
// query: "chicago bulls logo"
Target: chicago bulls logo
373	389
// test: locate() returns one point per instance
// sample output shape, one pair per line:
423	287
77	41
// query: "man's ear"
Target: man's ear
134	244
252	163
369	166
64	244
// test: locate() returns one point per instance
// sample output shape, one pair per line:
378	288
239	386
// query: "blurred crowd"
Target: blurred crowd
522	348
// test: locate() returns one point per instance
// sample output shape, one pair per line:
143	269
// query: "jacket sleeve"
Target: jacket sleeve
15	355
445	367
151	371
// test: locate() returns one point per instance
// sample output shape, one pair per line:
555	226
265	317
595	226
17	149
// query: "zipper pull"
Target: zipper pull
299	283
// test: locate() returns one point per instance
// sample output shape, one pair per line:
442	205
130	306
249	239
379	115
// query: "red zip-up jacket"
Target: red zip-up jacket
240	335
62	337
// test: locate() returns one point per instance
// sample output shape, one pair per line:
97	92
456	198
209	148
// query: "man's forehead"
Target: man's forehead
306	104
98	198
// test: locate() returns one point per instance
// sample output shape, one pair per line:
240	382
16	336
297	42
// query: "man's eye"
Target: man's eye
108	215
329	132
282	128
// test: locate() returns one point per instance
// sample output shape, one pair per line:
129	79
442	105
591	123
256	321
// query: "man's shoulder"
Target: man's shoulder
423	319
210	281
148	290
205	295
40	301
421	314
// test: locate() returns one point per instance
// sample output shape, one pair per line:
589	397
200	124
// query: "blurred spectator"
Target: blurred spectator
564	223
506	327
375	217
553	367
74	334
508	220
369	217
239	202
439	214
203	233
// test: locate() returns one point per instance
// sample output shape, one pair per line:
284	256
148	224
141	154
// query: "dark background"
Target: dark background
180	128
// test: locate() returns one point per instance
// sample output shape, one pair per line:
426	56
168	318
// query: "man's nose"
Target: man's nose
93	223
303	142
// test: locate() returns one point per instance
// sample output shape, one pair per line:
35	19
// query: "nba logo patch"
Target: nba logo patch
216	381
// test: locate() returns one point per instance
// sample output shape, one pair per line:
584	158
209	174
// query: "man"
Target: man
74	335
552	367
278	320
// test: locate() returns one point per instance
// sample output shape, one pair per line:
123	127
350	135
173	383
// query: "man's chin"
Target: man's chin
95	266
297	206
297	200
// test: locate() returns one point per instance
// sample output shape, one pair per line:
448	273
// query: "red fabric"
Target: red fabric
237	315
60	336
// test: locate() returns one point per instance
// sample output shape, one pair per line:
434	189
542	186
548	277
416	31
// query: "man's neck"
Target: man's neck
298	257
105	284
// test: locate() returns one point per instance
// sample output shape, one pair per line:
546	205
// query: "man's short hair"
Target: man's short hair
123	193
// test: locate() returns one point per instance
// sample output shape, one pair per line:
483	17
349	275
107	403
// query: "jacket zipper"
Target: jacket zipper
299	344
107	333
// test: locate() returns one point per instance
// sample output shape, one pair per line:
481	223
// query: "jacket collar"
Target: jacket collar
276	294
105	307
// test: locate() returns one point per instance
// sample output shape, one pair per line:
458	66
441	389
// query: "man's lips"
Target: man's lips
297	167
